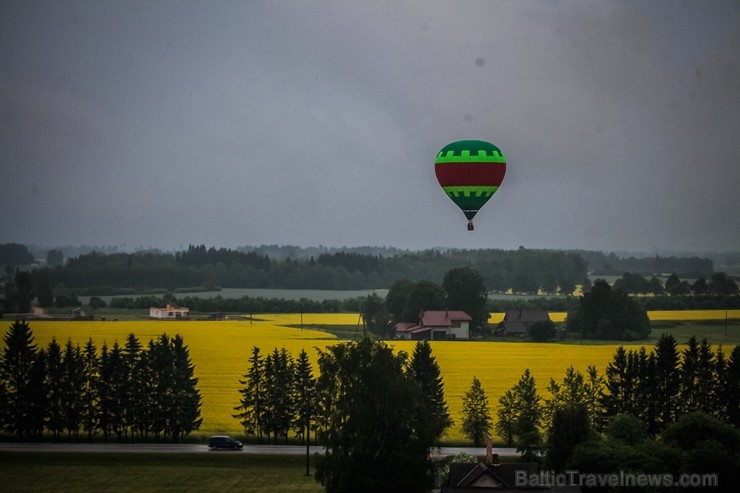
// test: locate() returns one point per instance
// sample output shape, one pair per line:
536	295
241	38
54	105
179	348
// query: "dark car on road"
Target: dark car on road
222	441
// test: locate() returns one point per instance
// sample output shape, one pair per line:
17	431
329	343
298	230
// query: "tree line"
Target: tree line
522	270
660	410
127	393
370	405
377	412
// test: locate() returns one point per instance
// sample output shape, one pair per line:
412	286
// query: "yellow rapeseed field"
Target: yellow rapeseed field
220	352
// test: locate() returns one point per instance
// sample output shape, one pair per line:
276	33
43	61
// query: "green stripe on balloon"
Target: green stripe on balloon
456	192
467	157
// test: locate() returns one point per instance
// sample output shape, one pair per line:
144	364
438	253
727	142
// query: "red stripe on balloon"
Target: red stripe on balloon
462	174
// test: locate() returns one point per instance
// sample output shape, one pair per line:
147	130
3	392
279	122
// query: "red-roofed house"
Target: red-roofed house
436	325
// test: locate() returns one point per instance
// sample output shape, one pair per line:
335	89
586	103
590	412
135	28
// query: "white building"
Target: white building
168	312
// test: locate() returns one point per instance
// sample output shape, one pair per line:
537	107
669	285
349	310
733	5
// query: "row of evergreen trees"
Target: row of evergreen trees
128	392
281	394
655	387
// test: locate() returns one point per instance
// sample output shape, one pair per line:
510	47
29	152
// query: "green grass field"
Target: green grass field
30	472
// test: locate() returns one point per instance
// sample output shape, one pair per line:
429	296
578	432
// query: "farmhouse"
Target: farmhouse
517	322
436	325
168	312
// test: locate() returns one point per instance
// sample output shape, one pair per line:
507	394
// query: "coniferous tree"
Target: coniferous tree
666	380
706	378
133	392
594	389
72	389
719	385
689	378
54	384
112	391
646	404
37	397
304	390
476	421
18	359
529	417
184	413
435	414
507	416
617	396
103	416
251	406
572	390
89	392
279	386
163	379
3	402
731	388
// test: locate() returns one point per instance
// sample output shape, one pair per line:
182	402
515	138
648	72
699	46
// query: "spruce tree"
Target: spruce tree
689	389
666	380
529	418
706	378
53	382
435	414
304	390
72	388
731	388
476	421
112	390
89	396
163	377
252	403
507	415
36	405
615	398
134	386
17	361
279	387
646	404
184	413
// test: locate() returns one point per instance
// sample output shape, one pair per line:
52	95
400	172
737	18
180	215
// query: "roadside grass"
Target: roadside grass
31	472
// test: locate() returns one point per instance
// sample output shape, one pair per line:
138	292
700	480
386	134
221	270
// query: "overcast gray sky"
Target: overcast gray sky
169	122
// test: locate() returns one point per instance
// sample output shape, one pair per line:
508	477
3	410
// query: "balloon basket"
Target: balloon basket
470	226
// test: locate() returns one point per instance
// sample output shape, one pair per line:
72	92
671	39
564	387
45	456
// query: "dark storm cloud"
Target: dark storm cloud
229	123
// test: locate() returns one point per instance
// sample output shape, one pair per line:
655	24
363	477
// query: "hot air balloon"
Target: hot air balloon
470	172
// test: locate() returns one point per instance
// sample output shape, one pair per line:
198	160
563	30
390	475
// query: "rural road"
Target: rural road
200	449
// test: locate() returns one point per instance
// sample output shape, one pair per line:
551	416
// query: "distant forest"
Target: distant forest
525	271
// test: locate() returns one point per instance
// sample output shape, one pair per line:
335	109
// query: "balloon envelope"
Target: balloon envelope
470	172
